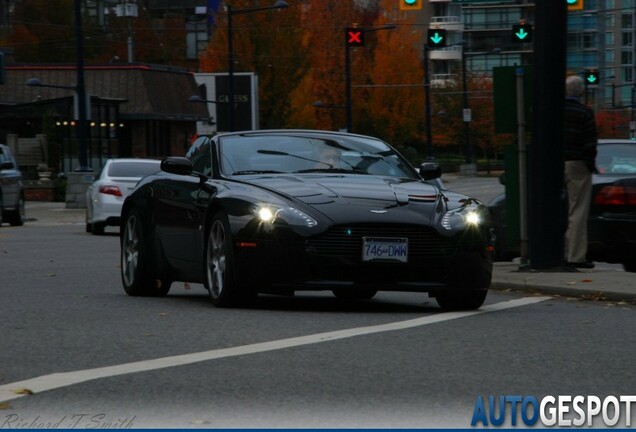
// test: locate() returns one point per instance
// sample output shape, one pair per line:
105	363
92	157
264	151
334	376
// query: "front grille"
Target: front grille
346	241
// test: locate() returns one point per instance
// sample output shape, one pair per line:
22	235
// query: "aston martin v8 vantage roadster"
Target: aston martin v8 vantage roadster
279	211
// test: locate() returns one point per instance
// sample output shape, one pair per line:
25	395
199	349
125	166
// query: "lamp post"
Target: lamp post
199	99
348	108
280	4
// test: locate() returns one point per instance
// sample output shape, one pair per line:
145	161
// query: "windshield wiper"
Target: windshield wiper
331	170
246	172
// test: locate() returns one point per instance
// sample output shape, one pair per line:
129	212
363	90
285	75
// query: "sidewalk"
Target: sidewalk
604	282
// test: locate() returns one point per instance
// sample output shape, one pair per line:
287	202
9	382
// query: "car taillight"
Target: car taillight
616	195
110	190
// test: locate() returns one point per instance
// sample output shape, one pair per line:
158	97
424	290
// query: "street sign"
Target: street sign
354	37
467	114
436	38
522	33
575	4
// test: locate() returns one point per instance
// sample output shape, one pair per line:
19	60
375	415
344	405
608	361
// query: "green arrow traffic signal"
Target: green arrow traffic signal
436	38
522	33
592	77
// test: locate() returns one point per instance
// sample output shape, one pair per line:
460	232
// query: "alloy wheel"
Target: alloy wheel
216	259
130	248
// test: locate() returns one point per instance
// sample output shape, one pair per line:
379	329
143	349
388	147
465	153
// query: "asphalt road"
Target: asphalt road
93	357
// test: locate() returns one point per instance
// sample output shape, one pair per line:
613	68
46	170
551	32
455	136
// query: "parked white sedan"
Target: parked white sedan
105	196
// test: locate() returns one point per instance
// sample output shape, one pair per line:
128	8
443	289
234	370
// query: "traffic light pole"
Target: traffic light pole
427	97
348	88
546	207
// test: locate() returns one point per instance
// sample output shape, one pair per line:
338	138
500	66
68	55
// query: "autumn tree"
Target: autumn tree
612	123
393	76
43	31
269	43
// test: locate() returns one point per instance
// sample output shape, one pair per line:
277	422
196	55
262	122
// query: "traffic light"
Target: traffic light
591	77
522	33
575	4
410	4
436	38
354	37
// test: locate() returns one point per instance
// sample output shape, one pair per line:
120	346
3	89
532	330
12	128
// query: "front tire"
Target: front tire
219	264
137	276
16	218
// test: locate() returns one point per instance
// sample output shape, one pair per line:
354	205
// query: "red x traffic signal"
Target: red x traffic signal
354	37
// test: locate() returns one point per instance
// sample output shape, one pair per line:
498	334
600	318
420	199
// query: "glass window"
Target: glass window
627	21
626	57
201	156
627	38
132	169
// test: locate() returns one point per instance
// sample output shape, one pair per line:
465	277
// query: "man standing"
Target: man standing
580	138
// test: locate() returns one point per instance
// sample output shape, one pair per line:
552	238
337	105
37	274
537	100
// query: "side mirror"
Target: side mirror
430	170
176	165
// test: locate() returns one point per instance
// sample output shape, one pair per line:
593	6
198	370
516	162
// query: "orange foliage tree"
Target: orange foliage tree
270	43
392	105
613	123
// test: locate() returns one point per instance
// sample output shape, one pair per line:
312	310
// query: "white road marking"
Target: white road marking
58	380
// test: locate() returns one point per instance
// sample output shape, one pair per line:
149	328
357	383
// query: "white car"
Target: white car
105	196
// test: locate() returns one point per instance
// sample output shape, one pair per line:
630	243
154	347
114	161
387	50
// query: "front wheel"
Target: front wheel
461	300
136	266
16	218
219	264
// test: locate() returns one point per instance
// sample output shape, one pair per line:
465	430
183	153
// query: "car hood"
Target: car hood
343	198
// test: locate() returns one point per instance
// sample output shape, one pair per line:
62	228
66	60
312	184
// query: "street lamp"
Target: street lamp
280	4
348	73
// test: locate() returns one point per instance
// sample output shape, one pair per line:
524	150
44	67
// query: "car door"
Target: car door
178	216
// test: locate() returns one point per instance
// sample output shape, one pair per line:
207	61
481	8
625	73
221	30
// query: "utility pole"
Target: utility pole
546	207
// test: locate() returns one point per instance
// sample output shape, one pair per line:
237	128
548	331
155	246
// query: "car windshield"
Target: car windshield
291	153
617	158
132	169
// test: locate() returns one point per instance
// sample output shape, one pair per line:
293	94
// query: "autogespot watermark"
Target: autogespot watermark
71	421
561	410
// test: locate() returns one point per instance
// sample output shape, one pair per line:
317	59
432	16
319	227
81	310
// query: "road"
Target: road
94	357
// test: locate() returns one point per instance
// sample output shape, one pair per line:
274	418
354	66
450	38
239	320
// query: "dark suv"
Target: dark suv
11	191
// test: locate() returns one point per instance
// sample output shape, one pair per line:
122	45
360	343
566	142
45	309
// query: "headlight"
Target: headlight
292	216
458	219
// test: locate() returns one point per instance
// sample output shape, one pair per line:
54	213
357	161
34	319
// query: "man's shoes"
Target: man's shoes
586	264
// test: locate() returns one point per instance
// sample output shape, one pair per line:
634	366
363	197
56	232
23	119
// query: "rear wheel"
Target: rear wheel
461	300
136	264
219	265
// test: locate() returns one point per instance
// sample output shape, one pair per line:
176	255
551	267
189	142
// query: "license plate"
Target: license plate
385	249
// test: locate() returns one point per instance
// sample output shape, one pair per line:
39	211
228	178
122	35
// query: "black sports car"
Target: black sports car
275	211
612	218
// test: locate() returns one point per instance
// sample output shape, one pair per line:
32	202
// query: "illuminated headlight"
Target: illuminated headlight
290	215
458	219
472	218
